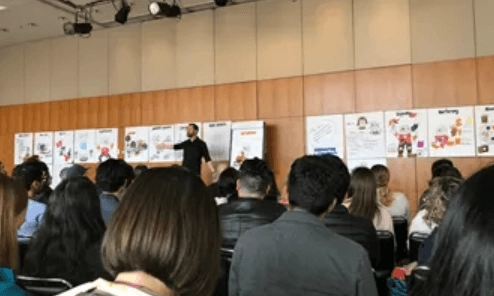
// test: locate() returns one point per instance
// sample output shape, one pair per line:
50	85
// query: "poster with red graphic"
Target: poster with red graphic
406	133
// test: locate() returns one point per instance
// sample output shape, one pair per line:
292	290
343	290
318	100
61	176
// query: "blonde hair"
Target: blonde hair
437	200
382	175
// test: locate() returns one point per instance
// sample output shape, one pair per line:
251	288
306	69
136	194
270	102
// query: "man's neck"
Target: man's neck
144	280
193	138
249	195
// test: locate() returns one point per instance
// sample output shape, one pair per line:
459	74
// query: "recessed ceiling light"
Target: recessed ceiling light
2	7
4	30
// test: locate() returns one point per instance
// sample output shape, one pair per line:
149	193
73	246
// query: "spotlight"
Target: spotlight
77	28
164	9
220	3
123	13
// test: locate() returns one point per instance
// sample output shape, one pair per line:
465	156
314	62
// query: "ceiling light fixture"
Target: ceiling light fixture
164	9
221	3
2	7
123	13
81	28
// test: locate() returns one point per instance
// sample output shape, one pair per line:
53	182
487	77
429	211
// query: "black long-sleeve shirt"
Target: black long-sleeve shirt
194	151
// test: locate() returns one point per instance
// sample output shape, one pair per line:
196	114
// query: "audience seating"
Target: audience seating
419	276
23	247
416	240
226	260
401	233
42	286
386	262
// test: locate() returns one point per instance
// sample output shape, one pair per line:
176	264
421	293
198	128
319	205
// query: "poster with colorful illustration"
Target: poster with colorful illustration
451	132
325	135
43	146
57	169
136	143
64	147
365	135
85	146
23	148
367	163
159	137
406	133
107	144
218	137
247	141
181	135
484	122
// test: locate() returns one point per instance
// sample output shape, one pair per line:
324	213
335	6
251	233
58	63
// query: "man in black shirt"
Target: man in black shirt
195	150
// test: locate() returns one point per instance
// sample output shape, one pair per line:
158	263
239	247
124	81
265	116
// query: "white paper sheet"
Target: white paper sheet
64	147
159	136
85	146
406	133
365	135
325	135
181	135
367	162
106	143
136	143
23	147
218	136
247	141
57	168
484	122
43	146
451	132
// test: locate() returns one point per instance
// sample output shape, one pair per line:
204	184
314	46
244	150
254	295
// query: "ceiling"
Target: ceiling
29	20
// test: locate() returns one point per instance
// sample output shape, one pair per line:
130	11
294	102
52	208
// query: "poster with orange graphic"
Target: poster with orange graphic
247	142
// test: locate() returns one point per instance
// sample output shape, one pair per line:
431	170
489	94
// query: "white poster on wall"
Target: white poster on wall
406	133
43	146
217	136
247	141
64	147
181	136
23	148
106	143
57	169
325	135
484	121
365	135
368	163
85	146
159	137
451	132
136	143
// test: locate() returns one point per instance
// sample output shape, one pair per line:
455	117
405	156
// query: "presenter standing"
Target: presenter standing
195	150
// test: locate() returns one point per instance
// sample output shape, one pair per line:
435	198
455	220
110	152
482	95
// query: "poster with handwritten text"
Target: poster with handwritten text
325	135
406	133
484	122
365	135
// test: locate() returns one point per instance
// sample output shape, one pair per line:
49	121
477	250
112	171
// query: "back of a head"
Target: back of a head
446	171
113	174
168	227
76	171
29	172
227	182
440	192
315	182
13	202
440	163
362	191
138	170
252	177
381	173
462	262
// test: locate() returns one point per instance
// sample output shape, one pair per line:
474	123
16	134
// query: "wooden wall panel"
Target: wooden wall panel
236	101
36	117
196	104
15	122
280	97
159	108
402	180
113	111
383	89
451	83
329	93
485	78
130	109
64	115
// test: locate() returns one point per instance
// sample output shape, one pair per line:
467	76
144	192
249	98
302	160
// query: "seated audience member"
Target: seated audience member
396	203
213	187
113	176
227	186
138	170
363	202
427	219
359	229
33	177
297	254
13	206
2	169
250	210
76	171
67	243
440	168
164	239
462	261
63	174
273	191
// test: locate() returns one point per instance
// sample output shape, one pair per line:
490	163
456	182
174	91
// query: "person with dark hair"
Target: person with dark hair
297	254
67	243
195	150
443	162
227	186
13	205
440	168
359	229
250	210
396	203
33	177
113	176
164	239
362	200
213	189
45	191
273	192
462	261
138	170
2	169
76	171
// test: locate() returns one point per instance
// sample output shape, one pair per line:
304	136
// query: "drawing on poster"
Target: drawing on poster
484	120
64	147
217	136
451	132
406	133
43	146
181	136
136	144
23	148
84	146
365	135
159	137
247	142
325	135
107	144
368	163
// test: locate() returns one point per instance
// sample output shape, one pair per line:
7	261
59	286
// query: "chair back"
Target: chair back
43	286
419	277
387	251
23	248
416	239
400	225
226	260
227	254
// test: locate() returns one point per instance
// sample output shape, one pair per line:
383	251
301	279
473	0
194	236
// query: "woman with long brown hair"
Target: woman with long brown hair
396	203
13	205
362	195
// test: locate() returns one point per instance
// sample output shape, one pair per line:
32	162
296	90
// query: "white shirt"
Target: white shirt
419	225
400	207
384	221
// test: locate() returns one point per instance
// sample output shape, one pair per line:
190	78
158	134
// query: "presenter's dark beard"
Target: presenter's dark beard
189	135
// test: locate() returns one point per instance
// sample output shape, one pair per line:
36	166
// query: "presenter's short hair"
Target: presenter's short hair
194	126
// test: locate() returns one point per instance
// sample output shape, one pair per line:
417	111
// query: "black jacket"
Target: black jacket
243	214
358	229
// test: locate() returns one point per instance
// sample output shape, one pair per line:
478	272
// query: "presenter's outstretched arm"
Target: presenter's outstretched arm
211	167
